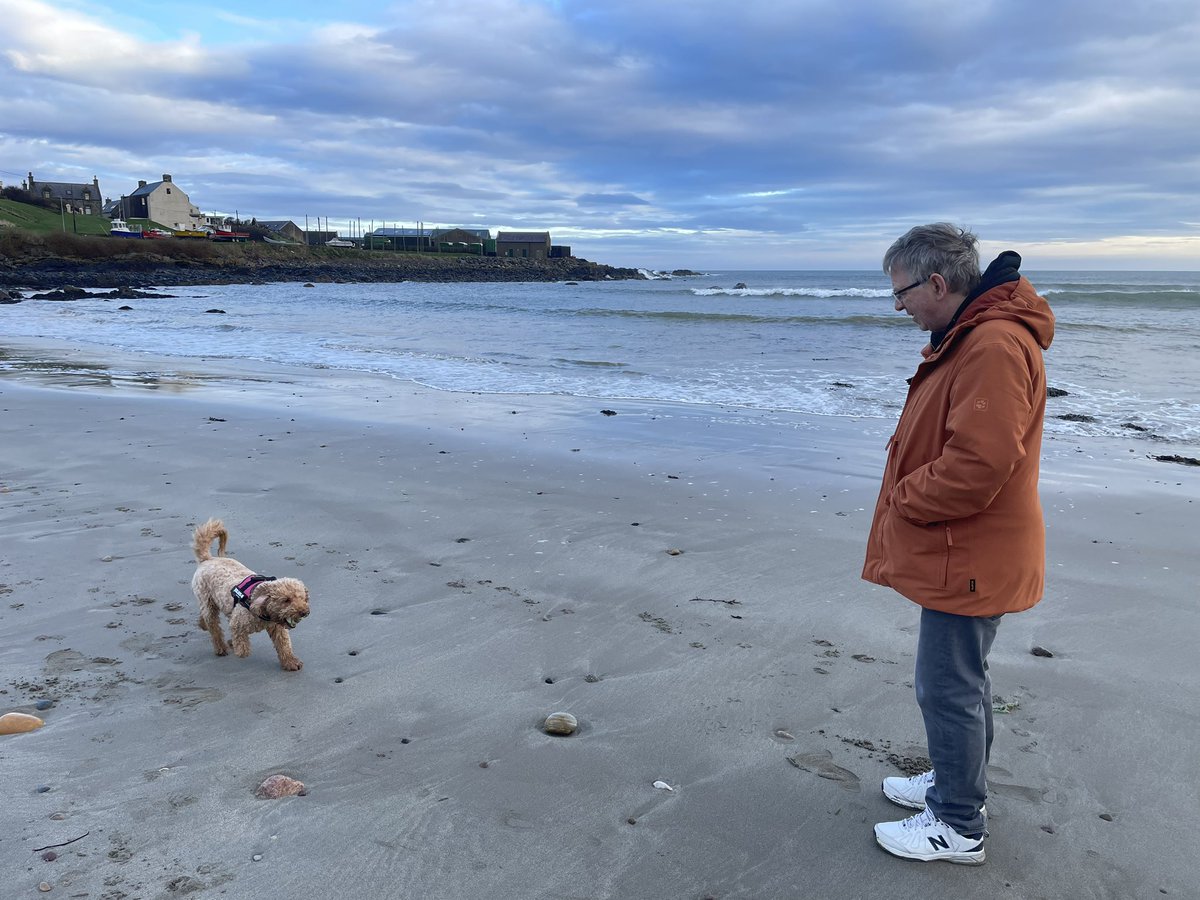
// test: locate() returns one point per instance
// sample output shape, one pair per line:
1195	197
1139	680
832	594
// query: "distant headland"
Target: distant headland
43	261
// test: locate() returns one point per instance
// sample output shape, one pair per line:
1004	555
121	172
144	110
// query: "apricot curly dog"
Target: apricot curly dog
252	602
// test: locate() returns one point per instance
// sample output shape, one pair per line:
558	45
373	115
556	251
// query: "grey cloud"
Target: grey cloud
610	200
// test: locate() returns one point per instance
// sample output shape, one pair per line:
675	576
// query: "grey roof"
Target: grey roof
523	237
276	225
67	189
147	189
429	231
402	232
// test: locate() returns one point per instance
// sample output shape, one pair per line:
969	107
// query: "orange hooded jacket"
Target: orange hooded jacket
958	525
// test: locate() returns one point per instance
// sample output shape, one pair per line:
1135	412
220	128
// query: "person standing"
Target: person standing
958	525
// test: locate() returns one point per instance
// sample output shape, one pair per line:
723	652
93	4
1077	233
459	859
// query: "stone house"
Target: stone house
523	244
163	202
77	198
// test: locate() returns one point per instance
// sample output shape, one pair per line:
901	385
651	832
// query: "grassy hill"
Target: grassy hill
35	218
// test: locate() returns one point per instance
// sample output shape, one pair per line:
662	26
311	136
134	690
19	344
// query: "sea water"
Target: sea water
816	343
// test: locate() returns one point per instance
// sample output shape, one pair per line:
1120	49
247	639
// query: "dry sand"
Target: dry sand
478	562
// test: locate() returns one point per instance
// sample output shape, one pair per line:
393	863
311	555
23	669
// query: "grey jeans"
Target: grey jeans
954	691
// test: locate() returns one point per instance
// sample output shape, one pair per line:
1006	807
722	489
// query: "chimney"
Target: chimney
166	177
141	184
30	188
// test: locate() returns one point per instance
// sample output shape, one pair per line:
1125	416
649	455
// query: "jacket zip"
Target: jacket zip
949	547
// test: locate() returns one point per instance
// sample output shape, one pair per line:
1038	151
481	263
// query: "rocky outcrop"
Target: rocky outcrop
141	271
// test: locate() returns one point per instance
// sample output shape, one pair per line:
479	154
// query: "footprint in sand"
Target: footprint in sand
61	661
1018	791
821	764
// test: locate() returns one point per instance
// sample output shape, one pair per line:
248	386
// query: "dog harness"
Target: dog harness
245	588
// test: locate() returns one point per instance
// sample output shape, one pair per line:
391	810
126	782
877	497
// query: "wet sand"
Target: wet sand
478	562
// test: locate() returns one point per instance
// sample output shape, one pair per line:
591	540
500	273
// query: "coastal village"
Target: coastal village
158	210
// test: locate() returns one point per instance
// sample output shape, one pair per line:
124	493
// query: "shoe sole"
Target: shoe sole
958	859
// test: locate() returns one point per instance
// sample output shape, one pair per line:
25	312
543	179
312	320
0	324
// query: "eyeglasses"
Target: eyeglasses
899	295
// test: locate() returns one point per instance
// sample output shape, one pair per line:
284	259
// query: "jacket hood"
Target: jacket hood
1003	293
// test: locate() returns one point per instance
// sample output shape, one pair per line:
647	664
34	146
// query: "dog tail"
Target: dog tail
204	536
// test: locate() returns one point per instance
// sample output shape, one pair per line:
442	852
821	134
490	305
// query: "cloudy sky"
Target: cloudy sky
706	134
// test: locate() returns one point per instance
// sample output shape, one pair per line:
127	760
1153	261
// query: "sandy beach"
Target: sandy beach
477	562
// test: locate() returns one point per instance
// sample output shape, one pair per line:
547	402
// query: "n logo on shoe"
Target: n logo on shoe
939	842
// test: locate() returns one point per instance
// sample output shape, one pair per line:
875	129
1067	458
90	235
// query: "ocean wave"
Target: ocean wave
818	292
681	315
589	363
1108	295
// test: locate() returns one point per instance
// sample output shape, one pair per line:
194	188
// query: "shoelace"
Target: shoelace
923	819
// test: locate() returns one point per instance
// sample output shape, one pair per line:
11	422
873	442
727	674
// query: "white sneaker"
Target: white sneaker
908	792
927	838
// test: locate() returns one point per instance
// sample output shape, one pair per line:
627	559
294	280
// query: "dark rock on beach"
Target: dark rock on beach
1056	392
63	293
1176	458
1076	417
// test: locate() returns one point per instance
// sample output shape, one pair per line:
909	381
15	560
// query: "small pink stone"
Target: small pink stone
279	786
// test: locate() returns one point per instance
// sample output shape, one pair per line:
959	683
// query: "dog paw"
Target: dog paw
291	665
221	652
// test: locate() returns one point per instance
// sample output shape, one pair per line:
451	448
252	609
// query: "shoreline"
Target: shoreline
477	562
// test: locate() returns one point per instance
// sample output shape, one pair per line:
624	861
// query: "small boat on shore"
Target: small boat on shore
189	233
121	229
338	242
219	234
156	233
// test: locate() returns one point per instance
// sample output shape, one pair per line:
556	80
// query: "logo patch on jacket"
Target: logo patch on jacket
981	404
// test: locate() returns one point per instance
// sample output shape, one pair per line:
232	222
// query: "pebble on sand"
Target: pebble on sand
1042	651
280	786
560	723
17	723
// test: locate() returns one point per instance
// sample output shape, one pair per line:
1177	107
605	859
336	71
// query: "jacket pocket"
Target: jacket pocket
916	555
